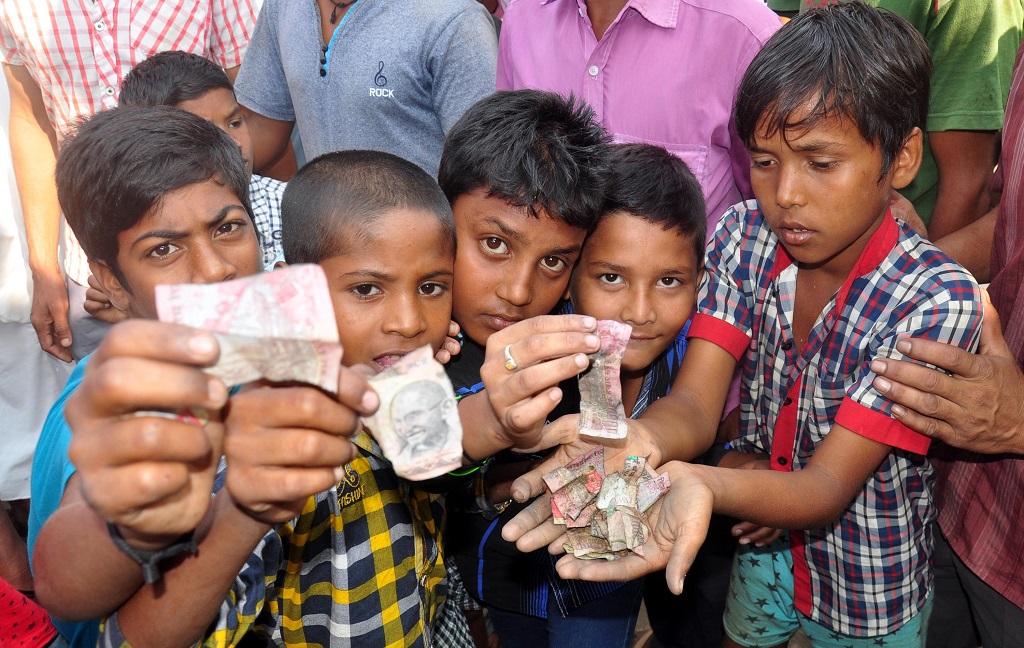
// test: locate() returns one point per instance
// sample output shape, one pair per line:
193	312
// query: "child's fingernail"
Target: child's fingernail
589	322
202	344
581	360
592	341
904	346
370	400
898	411
65	342
878	366
736	532
744	541
882	385
339	474
555	394
216	391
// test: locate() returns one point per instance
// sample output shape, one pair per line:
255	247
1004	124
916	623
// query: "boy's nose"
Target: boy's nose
405	317
516	289
788	192
639	309
213	267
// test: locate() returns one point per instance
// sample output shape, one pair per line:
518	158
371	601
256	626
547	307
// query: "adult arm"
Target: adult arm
976	402
971	246
965	160
34	156
273	154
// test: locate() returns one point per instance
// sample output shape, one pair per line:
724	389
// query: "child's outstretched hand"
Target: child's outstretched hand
679	524
450	347
285	443
147	472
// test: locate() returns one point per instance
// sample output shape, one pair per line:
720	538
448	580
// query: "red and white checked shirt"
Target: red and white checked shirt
868	572
78	51
981	499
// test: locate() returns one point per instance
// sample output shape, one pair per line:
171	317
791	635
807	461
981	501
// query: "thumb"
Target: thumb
61	328
992	341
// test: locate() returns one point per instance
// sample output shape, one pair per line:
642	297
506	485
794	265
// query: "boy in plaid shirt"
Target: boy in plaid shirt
806	286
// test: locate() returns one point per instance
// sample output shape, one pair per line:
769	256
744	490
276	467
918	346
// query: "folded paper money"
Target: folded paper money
276	326
604	515
601	411
417	425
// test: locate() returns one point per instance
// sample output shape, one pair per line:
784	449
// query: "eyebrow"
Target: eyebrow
384	276
813	146
506	231
613	268
177	234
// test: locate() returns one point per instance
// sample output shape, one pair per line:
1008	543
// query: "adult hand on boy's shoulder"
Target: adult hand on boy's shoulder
543	351
149	472
902	209
285	443
679	523
976	402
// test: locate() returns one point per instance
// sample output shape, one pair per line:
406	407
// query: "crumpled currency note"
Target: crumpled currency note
417	425
604	515
601	411
276	326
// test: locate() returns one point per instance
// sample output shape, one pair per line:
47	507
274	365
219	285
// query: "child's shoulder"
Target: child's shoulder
916	260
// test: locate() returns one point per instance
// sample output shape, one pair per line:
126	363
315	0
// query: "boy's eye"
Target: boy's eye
610	278
366	290
230	227
761	164
163	250
553	263
669	282
235	123
495	245
823	166
432	288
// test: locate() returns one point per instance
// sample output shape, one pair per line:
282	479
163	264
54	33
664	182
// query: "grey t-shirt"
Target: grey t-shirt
398	73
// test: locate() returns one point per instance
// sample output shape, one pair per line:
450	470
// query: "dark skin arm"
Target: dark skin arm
271	144
965	160
977	406
971	246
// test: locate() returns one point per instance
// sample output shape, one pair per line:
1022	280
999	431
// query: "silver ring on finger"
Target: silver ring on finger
510	362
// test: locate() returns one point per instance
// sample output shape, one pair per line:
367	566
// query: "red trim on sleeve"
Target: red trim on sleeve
720	332
880	427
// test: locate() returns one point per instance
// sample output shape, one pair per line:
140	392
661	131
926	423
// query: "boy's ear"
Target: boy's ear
908	160
119	297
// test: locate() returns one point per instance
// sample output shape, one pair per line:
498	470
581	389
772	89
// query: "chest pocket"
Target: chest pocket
695	156
158	25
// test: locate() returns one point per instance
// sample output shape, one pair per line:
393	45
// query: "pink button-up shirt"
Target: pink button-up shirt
665	73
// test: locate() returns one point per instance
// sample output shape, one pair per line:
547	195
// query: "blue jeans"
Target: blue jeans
606	622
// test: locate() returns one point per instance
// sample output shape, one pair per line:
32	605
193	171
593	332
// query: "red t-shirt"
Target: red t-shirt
23	624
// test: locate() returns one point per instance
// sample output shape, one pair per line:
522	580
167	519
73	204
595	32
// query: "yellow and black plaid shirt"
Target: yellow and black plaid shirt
362	565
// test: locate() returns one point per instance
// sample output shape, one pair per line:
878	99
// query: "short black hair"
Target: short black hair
649	182
531	149
849	60
169	78
120	164
333	202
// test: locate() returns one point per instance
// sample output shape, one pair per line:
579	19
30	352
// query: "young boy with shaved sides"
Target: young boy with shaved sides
806	286
186	219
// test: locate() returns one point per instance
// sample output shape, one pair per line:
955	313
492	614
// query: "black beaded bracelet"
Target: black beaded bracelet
150	560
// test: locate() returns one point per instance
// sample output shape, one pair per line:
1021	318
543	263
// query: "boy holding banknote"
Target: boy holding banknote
806	287
366	537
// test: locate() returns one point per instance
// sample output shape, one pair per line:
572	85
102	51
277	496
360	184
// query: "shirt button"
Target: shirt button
100	26
109	91
323	72
787	345
788	401
593	70
782	461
